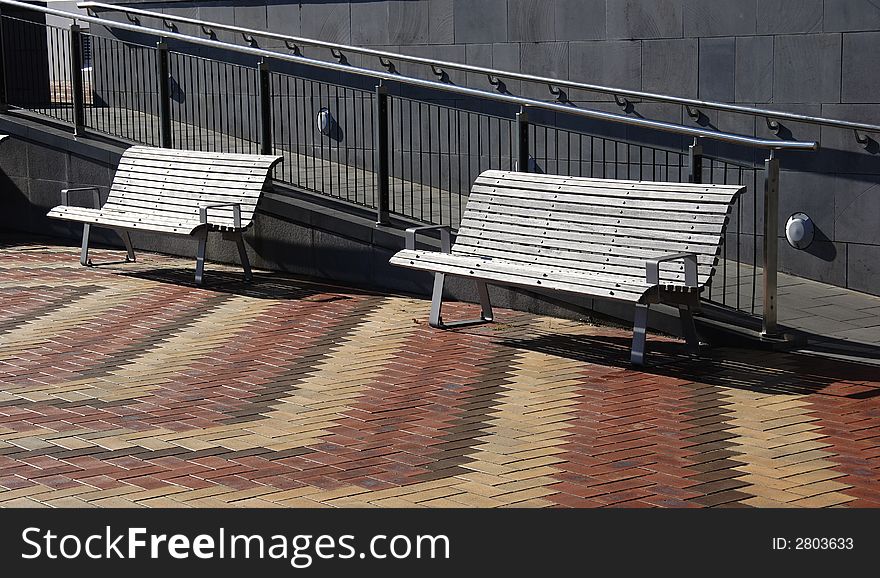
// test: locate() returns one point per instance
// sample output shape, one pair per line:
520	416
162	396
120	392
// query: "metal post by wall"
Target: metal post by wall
76	80
381	152
265	110
4	101
695	162
522	141
771	243
164	80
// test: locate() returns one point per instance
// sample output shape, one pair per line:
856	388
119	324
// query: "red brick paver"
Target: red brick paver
125	385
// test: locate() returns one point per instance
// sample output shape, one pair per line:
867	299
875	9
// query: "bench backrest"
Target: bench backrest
600	225
176	183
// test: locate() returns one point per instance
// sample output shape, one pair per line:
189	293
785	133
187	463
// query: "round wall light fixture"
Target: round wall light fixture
325	121
799	231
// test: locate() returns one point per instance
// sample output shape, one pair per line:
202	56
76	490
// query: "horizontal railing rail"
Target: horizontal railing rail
621	95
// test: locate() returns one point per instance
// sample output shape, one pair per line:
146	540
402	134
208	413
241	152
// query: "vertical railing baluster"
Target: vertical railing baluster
76	83
163	78
380	127
695	162
522	141
4	98
771	246
265	109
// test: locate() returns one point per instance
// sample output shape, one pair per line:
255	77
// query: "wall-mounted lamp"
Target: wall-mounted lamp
799	231
325	122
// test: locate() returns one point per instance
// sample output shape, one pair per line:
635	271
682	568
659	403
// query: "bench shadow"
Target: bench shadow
762	371
269	285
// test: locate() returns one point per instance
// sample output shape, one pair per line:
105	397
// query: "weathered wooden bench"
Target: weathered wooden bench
176	192
634	241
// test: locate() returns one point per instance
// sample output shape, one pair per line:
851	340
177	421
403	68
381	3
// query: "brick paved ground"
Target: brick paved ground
125	385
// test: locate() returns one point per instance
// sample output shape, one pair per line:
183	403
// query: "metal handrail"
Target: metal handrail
620	94
441	86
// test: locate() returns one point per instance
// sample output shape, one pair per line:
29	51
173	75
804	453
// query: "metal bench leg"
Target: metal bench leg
485	303
84	254
242	253
126	238
200	257
640	326
688	328
436	320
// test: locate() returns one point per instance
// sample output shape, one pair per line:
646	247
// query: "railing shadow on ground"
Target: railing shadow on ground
760	371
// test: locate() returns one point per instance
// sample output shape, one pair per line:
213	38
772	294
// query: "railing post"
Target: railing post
695	162
381	152
522	141
265	109
163	78
4	100
76	82
771	243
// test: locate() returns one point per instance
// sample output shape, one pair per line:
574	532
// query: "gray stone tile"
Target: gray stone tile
807	68
754	69
670	67
861	61
13	157
862	334
857	209
848	15
838	313
789	16
478	22
283	18
327	21
543	59
221	15
371	24
822	325
408	22
863	268
251	16
46	164
810	193
441	22
610	63
719	18
615	63
824	262
717	67
531	20
580	19
637	19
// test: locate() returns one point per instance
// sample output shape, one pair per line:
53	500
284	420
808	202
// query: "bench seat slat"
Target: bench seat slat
606	183
636	191
177	154
670	271
543	209
479	210
583	201
696	244
477	219
516	274
126	220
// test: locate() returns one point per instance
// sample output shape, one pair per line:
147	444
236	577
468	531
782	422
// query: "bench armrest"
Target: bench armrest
236	212
445	236
652	268
65	195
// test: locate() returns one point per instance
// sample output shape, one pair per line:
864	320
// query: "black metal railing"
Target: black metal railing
402	146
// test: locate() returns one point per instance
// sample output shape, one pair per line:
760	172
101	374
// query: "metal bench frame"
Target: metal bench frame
230	233
686	296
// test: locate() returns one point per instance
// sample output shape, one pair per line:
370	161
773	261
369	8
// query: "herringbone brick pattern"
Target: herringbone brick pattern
124	385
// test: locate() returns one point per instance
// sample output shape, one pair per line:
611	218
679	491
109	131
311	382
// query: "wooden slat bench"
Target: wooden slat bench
634	241
176	192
